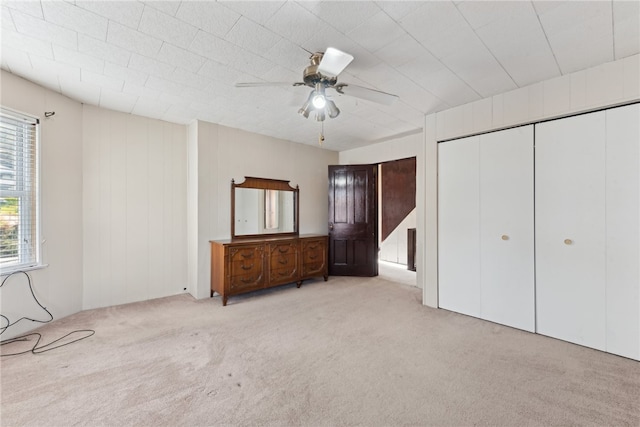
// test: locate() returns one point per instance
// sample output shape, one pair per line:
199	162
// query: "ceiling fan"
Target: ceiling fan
322	74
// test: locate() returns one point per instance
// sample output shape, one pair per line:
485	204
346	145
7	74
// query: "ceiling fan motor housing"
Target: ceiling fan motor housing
311	76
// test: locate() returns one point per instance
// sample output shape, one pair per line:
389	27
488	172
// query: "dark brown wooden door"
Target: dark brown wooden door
353	220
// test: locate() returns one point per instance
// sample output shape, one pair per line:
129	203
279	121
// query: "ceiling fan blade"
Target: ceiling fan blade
333	62
366	93
263	84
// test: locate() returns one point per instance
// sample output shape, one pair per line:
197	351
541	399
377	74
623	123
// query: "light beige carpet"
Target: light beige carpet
346	352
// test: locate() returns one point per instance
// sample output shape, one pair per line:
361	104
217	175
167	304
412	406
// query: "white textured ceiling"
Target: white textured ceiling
179	61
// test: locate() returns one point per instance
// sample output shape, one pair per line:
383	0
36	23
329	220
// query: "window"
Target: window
270	209
19	222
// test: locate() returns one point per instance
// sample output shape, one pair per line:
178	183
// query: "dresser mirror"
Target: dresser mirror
263	207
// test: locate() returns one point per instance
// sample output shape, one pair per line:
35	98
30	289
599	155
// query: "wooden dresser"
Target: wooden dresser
239	266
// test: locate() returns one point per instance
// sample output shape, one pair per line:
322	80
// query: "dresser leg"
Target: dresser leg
224	300
298	284
326	278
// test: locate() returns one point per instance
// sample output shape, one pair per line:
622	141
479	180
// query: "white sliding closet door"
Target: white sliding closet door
570	229
459	226
485	227
507	288
623	234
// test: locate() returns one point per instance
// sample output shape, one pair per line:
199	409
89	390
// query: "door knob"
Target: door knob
568	241
504	237
330	226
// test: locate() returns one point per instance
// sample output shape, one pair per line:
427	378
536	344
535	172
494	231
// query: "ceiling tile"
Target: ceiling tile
213	47
562	18
127	74
218	72
376	32
70	16
211	17
7	20
166	28
78	59
83	92
257	11
15	61
294	23
398	9
117	101
432	20
137	90
54	68
49	32
251	36
46	79
491	83
290	56
519	66
401	51
572	57
447	86
250	63
340	14
165	86
626	28
32	8
188	78
124	12
179	57
424	63
101	80
101	49
168	7
150	66
27	44
479	14
132	40
451	41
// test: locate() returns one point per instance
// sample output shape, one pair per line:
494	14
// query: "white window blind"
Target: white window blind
19	248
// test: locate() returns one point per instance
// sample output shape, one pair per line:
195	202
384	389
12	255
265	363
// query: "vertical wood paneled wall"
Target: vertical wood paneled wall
134	208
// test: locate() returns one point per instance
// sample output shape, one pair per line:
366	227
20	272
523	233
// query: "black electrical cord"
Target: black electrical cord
36	349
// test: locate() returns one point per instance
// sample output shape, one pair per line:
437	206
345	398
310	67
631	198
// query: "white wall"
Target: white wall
225	153
394	247
59	285
134	197
602	86
395	149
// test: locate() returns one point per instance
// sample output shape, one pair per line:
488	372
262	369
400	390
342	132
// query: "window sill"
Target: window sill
9	271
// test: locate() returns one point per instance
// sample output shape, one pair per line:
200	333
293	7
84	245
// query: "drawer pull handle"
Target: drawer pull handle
312	247
283	250
246	267
247	280
313	256
247	256
283	261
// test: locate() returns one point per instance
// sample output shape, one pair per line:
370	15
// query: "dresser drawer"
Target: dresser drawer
246	267
284	262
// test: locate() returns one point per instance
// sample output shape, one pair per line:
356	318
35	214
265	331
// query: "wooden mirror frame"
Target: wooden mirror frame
264	184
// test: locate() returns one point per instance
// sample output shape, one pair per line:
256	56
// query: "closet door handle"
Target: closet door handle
568	241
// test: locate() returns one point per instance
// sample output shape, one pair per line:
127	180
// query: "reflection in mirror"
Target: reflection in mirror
262	206
263	211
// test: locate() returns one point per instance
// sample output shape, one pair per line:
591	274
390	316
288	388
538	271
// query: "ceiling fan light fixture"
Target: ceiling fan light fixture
332	109
306	107
319	100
